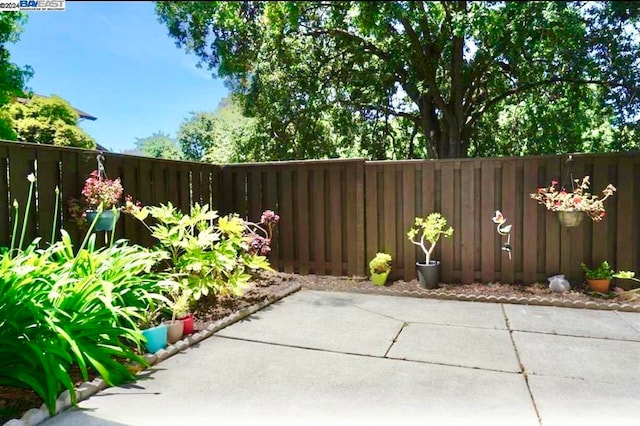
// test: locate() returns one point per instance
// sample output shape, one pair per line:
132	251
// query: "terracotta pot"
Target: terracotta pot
175	331
601	286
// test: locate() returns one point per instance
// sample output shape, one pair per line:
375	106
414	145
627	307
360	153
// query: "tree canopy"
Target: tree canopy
12	77
222	136
417	79
158	145
47	121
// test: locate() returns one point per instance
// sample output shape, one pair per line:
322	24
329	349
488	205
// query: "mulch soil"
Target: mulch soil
15	401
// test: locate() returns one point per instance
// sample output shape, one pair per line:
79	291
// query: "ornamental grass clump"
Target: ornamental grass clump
579	200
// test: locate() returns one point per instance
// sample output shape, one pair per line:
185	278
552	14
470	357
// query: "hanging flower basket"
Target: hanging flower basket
573	205
570	219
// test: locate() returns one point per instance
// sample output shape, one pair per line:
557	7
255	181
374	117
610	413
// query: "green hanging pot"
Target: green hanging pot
106	221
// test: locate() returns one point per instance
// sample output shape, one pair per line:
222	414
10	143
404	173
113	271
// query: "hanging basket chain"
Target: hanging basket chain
569	174
102	174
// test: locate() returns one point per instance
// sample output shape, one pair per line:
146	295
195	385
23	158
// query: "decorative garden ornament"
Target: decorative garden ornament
500	220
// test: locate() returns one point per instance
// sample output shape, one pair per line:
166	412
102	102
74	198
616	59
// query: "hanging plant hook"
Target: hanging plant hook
101	171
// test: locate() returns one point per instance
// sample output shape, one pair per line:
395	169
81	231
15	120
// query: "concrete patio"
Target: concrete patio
334	358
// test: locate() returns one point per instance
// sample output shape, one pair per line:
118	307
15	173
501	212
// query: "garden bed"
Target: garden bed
15	401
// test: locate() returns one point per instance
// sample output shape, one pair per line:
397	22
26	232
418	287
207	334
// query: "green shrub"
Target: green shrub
208	254
59	309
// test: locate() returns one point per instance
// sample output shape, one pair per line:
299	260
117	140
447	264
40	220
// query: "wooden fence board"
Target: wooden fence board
5	225
488	230
319	221
575	253
302	210
286	218
467	222
508	209
371	210
336	220
447	209
21	165
48	180
130	181
271	183
529	224
624	229
552	253
388	196
600	230
351	232
408	214
361	262
254	195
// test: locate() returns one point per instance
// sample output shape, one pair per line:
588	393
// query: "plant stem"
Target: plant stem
16	218
26	216
55	214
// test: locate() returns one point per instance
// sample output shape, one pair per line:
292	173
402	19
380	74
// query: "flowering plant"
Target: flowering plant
101	191
580	200
261	244
97	191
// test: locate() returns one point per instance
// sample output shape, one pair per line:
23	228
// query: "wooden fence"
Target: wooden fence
336	214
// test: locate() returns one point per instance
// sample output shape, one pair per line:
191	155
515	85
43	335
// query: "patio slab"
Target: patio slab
249	382
316	320
572	322
563	401
462	346
610	361
431	311
337	358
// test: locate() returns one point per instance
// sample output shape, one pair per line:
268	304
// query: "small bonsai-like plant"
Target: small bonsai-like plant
602	272
429	229
380	264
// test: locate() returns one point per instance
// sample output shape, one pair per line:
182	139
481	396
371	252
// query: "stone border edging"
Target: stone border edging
522	300
35	416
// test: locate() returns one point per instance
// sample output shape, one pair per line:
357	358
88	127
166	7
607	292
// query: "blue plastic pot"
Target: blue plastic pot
156	338
106	221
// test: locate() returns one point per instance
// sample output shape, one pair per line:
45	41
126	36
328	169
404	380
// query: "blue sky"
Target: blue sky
115	61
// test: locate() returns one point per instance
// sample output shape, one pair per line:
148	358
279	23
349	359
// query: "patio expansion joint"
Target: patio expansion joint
395	338
522	368
607	339
619	315
330	351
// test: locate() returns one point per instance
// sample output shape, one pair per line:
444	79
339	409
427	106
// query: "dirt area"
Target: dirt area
14	402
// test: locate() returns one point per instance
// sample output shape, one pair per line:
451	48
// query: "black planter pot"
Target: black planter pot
429	275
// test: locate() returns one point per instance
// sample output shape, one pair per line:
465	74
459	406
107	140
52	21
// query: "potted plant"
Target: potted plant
380	266
598	279
429	229
571	206
155	334
179	311
100	198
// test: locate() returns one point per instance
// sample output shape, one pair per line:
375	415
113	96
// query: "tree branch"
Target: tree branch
491	102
